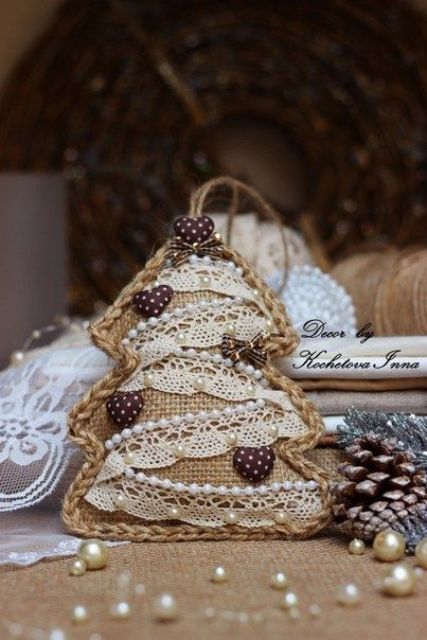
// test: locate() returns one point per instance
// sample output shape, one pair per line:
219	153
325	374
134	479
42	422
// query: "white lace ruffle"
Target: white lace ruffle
35	398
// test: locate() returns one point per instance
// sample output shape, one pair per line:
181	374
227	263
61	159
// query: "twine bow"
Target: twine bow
179	251
252	351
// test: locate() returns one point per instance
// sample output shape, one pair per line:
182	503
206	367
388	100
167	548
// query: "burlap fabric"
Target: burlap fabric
90	426
43	596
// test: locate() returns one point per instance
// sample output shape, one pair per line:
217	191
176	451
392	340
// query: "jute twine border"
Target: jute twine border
127	361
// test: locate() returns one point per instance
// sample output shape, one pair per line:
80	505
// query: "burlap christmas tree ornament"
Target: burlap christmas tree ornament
194	434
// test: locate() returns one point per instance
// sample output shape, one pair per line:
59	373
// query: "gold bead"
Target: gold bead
129	458
289	600
399	580
79	614
120	610
231	517
174	513
219	575
149	379
231	439
389	546
165	608
357	547
279	581
280	517
421	553
78	568
179	451
94	553
349	595
199	384
230	329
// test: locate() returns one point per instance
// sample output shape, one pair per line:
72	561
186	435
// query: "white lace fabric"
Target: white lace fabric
197	368
35	398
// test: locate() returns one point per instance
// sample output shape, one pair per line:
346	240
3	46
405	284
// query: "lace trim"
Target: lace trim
187	376
204	434
217	277
208	506
201	325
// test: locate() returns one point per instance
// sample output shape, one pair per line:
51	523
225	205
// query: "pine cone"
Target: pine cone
413	527
382	487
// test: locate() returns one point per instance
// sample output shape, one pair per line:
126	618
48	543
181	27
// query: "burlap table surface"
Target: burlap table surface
43	595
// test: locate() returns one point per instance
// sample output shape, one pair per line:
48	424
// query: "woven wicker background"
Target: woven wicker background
126	97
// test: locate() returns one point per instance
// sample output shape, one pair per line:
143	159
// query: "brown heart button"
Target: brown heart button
254	463
124	406
152	302
193	229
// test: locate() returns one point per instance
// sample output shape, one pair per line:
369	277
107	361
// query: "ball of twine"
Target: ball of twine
389	289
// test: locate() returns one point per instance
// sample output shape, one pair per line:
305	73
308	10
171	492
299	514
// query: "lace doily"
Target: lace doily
35	398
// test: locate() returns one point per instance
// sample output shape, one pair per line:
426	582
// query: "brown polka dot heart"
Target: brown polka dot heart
151	303
194	229
254	463
124	406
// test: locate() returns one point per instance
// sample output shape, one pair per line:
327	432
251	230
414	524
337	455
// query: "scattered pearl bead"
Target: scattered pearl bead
389	546
290	600
231	439
179	451
349	595
165	608
139	589
57	634
17	357
231	517
78	568
149	379
294	613
399	580
357	547
94	553
219	575
209	613
120	610
421	553
279	581
314	610
79	614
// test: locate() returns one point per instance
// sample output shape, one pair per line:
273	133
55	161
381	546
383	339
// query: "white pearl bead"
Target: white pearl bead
280	517
349	595
125	342
204	355
207	489
132	333
129	472
275	486
256	293
150	425
191	353
180	338
126	433
236	491
149	379
239	271
399	580
119	500
116	438
257	374
203	416
231	517
94	552
120	610
219	575
239	409
166	483
217	358
249	491
140	476
260	403
193	488
109	444
230	329
193	259
228	362
269	325
179	486
78	568
299	485
311	485
205	281
174	513
178	312
189	417
222	490
199	384
290	599
262	490
421	553
179	451
250	369
357	547
273	431
287	485
279	581
389	546
153	321
165	317
176	420
165	608
231	439
79	614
